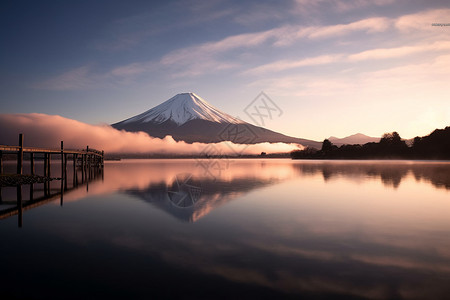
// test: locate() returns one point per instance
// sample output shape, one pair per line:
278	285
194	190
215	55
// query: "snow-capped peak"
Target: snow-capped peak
182	108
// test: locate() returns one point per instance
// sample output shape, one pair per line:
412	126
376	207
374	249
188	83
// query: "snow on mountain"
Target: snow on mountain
182	108
187	117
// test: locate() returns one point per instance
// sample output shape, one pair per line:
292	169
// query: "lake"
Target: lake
235	229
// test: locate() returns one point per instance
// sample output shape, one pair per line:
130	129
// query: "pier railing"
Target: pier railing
90	161
86	157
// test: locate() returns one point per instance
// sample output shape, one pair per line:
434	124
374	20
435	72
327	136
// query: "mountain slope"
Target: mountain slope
187	117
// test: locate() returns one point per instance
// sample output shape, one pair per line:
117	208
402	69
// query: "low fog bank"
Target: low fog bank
41	130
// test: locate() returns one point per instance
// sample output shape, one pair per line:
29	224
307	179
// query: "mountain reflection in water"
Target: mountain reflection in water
258	229
190	196
317	229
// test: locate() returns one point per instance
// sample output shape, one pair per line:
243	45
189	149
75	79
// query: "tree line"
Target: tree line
436	145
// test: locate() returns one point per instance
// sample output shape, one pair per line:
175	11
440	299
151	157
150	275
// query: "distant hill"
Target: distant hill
354	139
436	145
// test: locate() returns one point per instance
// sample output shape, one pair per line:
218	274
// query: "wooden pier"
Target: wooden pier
86	158
89	161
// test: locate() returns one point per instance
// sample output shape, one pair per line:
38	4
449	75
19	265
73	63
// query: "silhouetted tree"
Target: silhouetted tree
308	152
391	145
391	138
327	146
417	141
434	146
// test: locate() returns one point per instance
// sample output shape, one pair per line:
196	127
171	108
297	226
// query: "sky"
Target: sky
332	68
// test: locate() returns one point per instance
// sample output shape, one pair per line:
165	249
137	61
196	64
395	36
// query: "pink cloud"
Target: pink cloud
41	130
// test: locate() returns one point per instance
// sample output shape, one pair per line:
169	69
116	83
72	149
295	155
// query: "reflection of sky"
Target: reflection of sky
351	235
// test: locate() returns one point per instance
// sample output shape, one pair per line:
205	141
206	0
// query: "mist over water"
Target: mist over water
240	228
43	130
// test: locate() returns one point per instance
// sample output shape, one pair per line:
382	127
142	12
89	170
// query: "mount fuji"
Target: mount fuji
187	117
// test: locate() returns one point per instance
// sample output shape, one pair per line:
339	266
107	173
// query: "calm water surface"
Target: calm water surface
237	229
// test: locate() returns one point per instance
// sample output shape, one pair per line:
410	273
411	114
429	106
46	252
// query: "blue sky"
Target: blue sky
333	67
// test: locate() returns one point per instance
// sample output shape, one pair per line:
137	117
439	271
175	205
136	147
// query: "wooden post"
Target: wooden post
82	167
88	157
19	203
1	162
45	164
49	164
74	163
65	171
49	171
74	158
45	173
20	155
45	188
31	192
62	160
62	194
32	166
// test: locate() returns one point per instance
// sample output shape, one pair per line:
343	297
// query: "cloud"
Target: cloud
384	53
277	36
232	52
201	67
422	21
85	78
190	61
429	75
205	58
283	36
370	25
306	6
76	79
41	130
307	85
136	30
372	54
282	65
185	55
131	69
